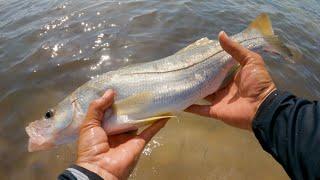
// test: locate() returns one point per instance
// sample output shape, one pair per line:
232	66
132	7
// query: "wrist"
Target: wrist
257	103
262	98
103	173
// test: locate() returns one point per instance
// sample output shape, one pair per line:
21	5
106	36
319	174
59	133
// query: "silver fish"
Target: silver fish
150	91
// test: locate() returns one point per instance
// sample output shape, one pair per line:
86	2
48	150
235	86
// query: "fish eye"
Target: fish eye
49	114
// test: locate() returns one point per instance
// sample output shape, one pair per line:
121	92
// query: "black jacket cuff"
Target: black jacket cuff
261	124
75	172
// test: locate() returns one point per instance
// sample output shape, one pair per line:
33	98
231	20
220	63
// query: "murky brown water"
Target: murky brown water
50	47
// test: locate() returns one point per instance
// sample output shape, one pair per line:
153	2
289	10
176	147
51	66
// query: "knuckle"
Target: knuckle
248	58
258	59
251	57
214	114
256	55
84	127
88	125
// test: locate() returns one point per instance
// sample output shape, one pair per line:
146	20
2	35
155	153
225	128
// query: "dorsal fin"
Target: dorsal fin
195	53
200	42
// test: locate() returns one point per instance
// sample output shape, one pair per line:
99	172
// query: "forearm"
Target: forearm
289	129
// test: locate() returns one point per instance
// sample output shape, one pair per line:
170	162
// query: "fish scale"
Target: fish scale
150	91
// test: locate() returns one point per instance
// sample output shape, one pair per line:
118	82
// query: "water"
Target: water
50	47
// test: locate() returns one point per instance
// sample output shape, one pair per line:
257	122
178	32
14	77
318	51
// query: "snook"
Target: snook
150	91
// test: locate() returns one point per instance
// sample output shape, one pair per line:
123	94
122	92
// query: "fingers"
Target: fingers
137	144
202	110
152	130
97	109
214	112
238	52
211	97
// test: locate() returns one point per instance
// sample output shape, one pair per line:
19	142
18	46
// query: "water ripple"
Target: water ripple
50	47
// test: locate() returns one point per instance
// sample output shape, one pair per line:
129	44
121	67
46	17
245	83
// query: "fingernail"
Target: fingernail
222	33
108	93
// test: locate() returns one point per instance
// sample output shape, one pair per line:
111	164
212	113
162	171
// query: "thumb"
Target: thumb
238	52
97	108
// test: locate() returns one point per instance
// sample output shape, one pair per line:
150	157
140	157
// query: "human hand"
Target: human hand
111	157
238	103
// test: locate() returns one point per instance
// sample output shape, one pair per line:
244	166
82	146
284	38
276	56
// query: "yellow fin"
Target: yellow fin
146	121
203	102
262	24
133	104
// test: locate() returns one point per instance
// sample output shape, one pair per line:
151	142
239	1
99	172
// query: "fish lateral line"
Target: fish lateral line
191	65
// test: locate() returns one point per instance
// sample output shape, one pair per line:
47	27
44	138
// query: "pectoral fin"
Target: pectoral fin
133	104
146	121
203	102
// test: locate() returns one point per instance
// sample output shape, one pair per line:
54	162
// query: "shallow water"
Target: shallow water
50	47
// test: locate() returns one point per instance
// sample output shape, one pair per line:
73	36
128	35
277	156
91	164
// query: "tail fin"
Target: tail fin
262	24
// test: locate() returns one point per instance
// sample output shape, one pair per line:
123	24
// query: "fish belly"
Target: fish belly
171	92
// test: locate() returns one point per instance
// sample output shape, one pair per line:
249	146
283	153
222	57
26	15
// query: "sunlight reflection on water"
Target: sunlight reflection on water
49	48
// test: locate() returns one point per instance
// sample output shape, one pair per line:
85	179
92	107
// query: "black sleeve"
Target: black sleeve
75	172
288	128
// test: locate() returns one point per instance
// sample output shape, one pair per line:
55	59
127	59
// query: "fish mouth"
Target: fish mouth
39	135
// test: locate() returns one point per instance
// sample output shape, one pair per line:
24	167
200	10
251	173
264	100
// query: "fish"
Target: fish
151	91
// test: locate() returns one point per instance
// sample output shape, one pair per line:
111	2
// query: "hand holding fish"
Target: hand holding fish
111	157
182	79
238	103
